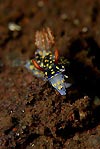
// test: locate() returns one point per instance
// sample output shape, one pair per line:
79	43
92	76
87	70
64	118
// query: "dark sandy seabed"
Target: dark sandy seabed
32	113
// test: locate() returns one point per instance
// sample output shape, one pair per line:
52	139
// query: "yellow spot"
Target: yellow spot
50	67
50	62
36	72
36	56
40	52
47	65
59	87
47	53
62	81
54	84
38	61
50	56
31	61
52	72
57	67
46	73
58	82
41	65
51	76
46	60
31	67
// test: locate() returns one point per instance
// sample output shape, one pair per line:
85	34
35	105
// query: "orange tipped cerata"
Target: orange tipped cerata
56	55
37	65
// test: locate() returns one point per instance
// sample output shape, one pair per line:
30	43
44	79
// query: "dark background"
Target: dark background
32	113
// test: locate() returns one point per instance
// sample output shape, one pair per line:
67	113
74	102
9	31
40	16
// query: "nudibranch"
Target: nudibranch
45	62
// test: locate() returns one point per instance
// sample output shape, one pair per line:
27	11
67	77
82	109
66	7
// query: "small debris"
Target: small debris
64	16
85	29
76	22
40	4
97	101
14	27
